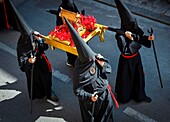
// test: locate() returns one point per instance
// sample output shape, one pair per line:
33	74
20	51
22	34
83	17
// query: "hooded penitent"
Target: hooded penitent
90	77
128	21
85	66
85	60
26	39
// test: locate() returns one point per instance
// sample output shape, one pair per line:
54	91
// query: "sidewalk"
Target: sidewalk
158	10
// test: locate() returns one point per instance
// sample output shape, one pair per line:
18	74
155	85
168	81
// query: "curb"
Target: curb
141	12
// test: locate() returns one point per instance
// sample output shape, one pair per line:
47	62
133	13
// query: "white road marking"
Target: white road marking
56	73
52	102
8	49
61	76
6	94
49	110
139	116
49	119
58	108
6	78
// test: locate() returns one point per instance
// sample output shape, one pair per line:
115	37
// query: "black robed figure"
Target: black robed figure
130	81
70	6
29	47
90	82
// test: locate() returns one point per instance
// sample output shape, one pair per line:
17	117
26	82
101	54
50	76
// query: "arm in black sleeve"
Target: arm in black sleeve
144	41
24	64
120	42
82	94
45	46
41	44
117	30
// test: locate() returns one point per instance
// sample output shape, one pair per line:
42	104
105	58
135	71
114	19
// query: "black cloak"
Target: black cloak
130	81
90	77
27	45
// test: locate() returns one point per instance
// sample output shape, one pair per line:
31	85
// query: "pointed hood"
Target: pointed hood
86	67
26	39
84	51
128	21
19	23
16	21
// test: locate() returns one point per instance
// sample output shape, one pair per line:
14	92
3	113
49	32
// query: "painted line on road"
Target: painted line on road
56	73
8	49
52	102
6	78
61	76
139	116
50	119
6	94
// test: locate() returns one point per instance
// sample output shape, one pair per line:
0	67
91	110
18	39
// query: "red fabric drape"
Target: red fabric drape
6	16
48	63
113	96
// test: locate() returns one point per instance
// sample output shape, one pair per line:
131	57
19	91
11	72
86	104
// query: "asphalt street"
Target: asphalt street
14	101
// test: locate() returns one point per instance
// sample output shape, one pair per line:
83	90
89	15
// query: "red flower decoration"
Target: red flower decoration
62	33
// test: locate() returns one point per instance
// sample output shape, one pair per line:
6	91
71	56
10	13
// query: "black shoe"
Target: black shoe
147	99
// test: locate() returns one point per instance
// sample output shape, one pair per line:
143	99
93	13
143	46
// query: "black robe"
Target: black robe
12	20
42	73
88	78
130	81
